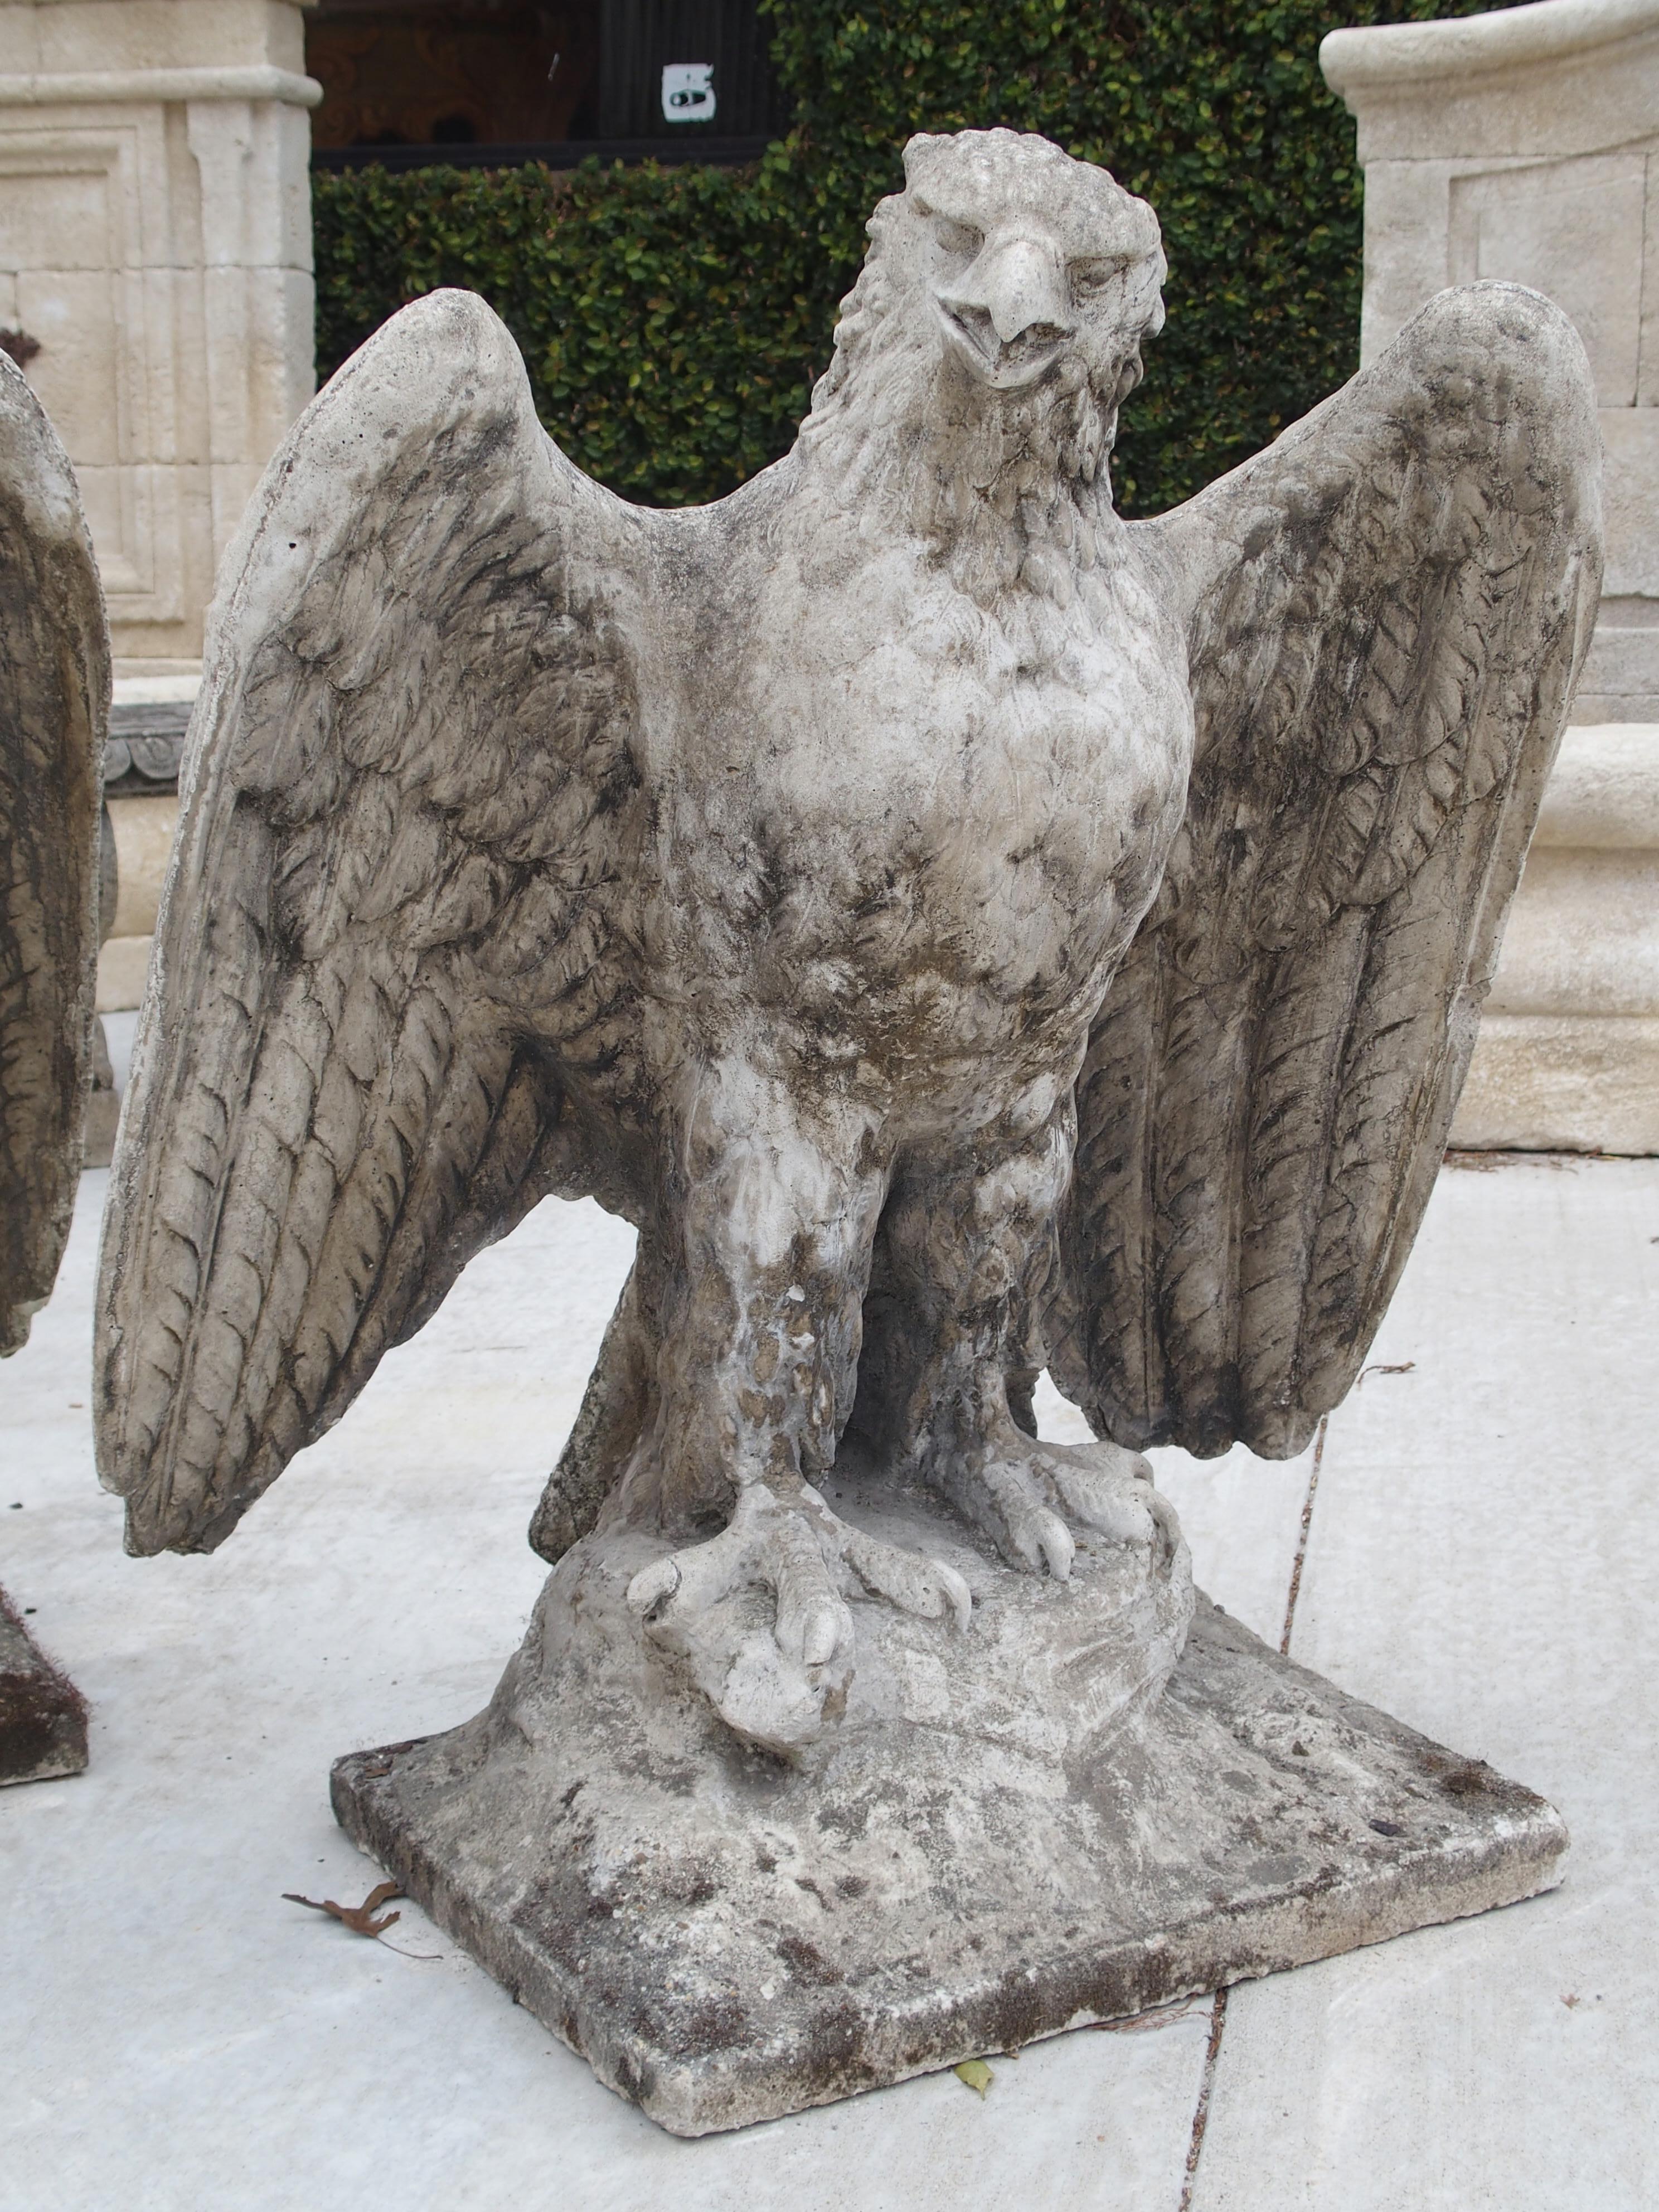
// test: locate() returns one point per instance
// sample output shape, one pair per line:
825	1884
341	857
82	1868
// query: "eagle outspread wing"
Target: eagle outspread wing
390	1004
1389	608
54	706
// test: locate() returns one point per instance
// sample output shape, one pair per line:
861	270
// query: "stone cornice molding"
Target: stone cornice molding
1554	79
100	87
1360	61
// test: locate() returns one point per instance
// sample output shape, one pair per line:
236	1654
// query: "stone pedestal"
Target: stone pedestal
1003	1836
156	246
1568	1055
1525	144
148	719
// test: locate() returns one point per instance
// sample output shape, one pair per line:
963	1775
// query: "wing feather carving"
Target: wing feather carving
54	706
410	799
1383	645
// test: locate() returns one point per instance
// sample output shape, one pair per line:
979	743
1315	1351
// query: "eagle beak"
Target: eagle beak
1009	318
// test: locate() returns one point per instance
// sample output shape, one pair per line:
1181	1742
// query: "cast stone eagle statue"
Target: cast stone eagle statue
54	704
964	930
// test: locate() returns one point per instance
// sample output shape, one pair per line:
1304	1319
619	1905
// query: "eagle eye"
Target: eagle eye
1092	278
960	239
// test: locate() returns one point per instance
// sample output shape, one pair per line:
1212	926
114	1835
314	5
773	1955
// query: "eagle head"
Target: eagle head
980	360
1027	263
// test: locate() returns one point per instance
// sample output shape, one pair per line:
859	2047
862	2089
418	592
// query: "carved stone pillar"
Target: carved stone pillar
1525	144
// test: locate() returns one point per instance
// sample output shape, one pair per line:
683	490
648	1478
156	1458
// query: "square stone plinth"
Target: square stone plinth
43	1717
728	1942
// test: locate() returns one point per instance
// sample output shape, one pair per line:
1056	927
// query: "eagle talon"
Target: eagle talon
1023	1497
1105	1489
653	1588
774	1690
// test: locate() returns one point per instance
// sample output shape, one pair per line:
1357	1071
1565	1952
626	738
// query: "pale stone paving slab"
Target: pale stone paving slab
193	2040
1483	1556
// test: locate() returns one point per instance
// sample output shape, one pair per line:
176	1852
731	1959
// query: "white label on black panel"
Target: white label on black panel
688	92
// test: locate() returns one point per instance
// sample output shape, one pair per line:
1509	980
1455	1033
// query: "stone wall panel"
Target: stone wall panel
155	238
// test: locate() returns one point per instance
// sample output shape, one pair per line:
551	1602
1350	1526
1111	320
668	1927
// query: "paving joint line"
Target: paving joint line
1201	2110
1218	2008
1302	1538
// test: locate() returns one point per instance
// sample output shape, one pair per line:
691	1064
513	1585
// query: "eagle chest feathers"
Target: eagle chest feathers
947	818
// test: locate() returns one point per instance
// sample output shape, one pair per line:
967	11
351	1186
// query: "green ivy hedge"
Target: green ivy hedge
673	320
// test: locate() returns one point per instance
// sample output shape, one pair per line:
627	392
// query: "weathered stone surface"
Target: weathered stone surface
43	1717
1567	1059
1519	144
103	1100
103	1104
727	1938
149	717
966	933
54	694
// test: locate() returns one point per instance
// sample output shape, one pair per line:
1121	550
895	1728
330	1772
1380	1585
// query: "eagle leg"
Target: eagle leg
757	1345
947	1326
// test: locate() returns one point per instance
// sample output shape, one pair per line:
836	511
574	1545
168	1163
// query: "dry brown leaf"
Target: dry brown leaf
360	1919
